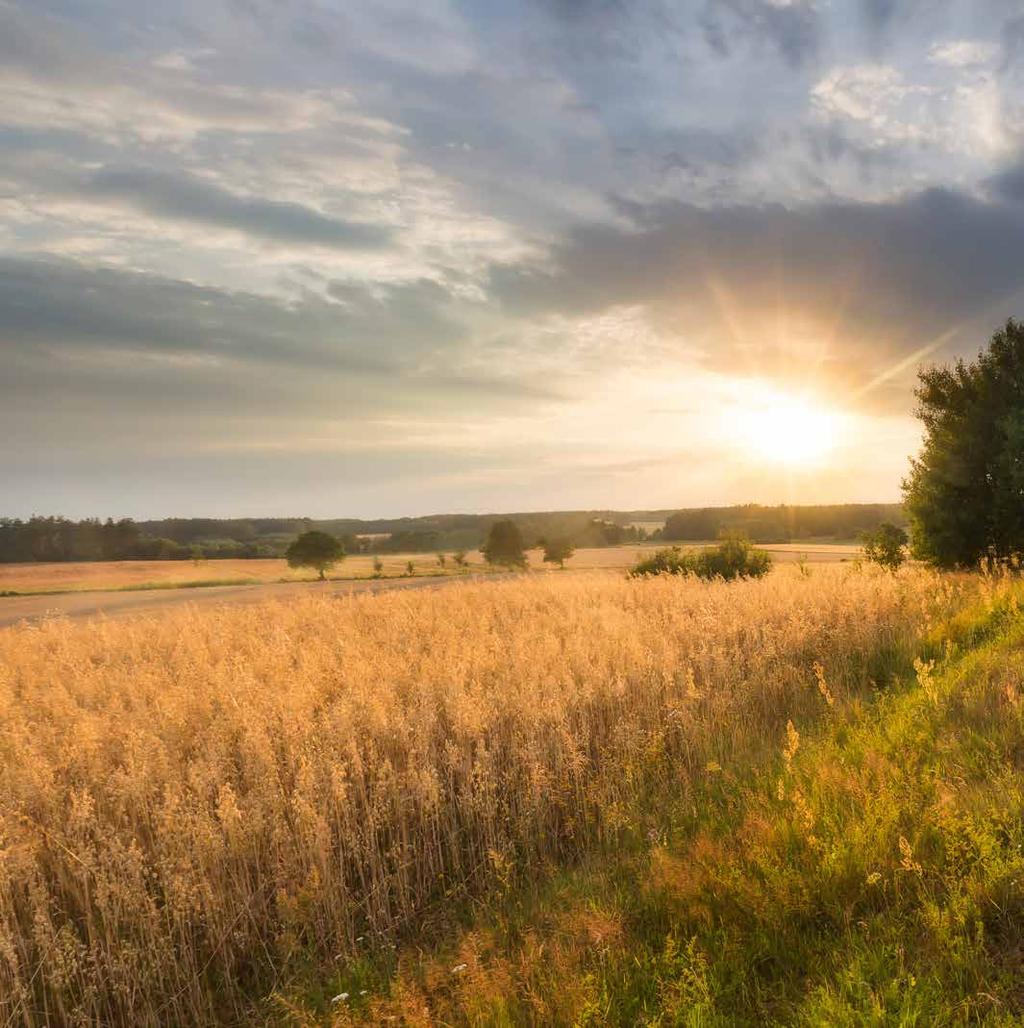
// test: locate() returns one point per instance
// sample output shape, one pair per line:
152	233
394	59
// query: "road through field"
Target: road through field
121	603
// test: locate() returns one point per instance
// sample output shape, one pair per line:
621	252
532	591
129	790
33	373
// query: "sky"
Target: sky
300	257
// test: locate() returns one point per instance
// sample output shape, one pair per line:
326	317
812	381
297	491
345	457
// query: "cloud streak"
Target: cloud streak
186	198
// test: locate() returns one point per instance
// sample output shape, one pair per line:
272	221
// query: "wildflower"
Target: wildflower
692	692
819	675
792	745
925	669
907	861
712	767
459	968
340	998
874	878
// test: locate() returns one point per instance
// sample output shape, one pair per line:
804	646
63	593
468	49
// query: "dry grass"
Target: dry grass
194	806
76	576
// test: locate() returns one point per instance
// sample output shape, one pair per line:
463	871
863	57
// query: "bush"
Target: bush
886	546
734	557
670	561
558	551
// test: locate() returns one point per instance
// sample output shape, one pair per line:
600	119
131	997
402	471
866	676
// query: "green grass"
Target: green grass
869	871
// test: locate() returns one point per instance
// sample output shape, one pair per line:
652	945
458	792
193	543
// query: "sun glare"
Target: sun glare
789	430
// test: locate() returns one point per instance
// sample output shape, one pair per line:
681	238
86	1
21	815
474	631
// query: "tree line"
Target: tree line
61	539
781	524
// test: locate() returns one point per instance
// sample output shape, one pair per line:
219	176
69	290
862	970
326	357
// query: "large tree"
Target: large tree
315	550
964	495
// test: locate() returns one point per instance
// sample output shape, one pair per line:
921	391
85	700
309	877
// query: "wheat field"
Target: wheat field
193	806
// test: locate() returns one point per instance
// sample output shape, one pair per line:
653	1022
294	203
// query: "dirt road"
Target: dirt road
16	609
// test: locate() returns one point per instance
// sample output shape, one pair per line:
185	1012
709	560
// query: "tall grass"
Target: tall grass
194	806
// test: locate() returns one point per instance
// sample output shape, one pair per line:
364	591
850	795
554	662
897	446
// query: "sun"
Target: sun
793	431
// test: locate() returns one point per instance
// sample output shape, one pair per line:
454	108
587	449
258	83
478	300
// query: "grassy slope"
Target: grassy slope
870	873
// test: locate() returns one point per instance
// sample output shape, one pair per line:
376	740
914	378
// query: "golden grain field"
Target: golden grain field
192	806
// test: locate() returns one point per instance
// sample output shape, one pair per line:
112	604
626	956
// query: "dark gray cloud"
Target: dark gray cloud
181	197
879	13
1008	184
881	279
65	306
792	28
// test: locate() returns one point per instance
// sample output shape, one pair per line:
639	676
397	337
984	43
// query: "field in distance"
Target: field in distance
77	576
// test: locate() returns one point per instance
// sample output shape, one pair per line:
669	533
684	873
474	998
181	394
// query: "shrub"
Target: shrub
558	551
733	557
669	561
886	546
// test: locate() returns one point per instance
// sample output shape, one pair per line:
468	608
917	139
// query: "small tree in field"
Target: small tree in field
442	560
315	550
886	546
459	556
505	545
378	567
410	568
558	551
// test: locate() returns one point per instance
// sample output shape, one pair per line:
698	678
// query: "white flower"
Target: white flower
340	998
459	968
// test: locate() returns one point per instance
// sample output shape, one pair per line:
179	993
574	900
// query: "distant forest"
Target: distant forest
58	538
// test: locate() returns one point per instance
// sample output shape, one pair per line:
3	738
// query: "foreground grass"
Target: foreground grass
870	870
547	801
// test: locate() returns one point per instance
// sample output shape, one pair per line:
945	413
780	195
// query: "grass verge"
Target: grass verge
868	870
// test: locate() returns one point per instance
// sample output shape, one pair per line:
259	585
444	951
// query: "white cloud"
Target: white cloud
882	108
963	53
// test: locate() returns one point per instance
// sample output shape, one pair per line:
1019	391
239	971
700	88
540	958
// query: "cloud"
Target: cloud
791	26
180	197
963	53
1008	184
882	107
61	307
849	288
